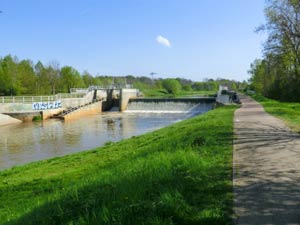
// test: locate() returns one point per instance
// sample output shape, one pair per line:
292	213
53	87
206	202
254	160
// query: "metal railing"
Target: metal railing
45	98
94	87
75	93
70	95
79	90
26	99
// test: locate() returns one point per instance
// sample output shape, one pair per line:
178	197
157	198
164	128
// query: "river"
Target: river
28	142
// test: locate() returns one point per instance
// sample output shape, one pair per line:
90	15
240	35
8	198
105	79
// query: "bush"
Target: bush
37	118
187	87
172	86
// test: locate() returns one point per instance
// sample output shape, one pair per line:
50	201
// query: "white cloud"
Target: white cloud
163	41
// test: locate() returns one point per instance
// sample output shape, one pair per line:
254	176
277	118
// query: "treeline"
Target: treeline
277	75
176	85
23	77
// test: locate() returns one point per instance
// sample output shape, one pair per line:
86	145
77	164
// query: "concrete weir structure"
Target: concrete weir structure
125	96
171	105
90	101
66	106
90	109
26	108
5	120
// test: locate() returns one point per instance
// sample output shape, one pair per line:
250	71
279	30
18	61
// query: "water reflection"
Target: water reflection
23	143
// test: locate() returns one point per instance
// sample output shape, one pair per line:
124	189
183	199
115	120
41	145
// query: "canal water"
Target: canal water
27	142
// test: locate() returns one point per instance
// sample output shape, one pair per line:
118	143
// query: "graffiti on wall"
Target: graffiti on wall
46	105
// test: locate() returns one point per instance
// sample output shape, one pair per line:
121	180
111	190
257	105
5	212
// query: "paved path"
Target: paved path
266	164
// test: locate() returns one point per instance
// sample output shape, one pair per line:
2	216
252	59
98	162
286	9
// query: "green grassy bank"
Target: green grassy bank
180	174
287	111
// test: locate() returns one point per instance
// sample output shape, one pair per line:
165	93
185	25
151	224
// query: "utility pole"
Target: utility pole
152	77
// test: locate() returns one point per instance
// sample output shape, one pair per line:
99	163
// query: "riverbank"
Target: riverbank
181	174
289	112
5	120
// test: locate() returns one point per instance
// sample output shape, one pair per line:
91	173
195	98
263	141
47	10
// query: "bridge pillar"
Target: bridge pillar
125	95
108	104
95	96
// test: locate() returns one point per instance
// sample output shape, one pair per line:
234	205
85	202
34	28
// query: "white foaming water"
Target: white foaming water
153	111
168	107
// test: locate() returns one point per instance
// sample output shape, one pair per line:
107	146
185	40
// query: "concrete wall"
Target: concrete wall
28	114
66	103
224	99
91	109
125	95
46	114
25	116
5	120
74	102
101	94
25	112
88	98
15	107
27	107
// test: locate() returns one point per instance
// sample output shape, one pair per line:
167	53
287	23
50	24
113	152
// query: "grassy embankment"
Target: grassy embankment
288	112
164	94
180	174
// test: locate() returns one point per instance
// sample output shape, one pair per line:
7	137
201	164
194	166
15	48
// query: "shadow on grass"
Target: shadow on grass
166	196
178	175
170	186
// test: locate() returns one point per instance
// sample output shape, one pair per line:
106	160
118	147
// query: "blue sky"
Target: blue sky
208	39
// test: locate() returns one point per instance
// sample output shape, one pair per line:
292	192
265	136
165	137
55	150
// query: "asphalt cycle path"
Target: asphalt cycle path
266	162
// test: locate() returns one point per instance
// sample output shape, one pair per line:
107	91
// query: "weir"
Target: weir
79	102
171	105
82	102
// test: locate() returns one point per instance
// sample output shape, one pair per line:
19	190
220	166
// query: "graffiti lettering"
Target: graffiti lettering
46	105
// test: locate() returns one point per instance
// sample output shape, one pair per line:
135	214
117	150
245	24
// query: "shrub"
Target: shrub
172	86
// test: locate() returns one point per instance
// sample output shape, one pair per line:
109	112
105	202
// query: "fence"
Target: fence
91	88
31	99
75	93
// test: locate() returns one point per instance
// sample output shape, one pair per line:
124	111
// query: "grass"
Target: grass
181	174
37	118
162	93
288	112
197	93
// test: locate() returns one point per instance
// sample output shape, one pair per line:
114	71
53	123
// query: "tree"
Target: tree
88	79
278	74
53	75
283	26
11	83
172	86
27	77
187	87
41	85
208	85
70	78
